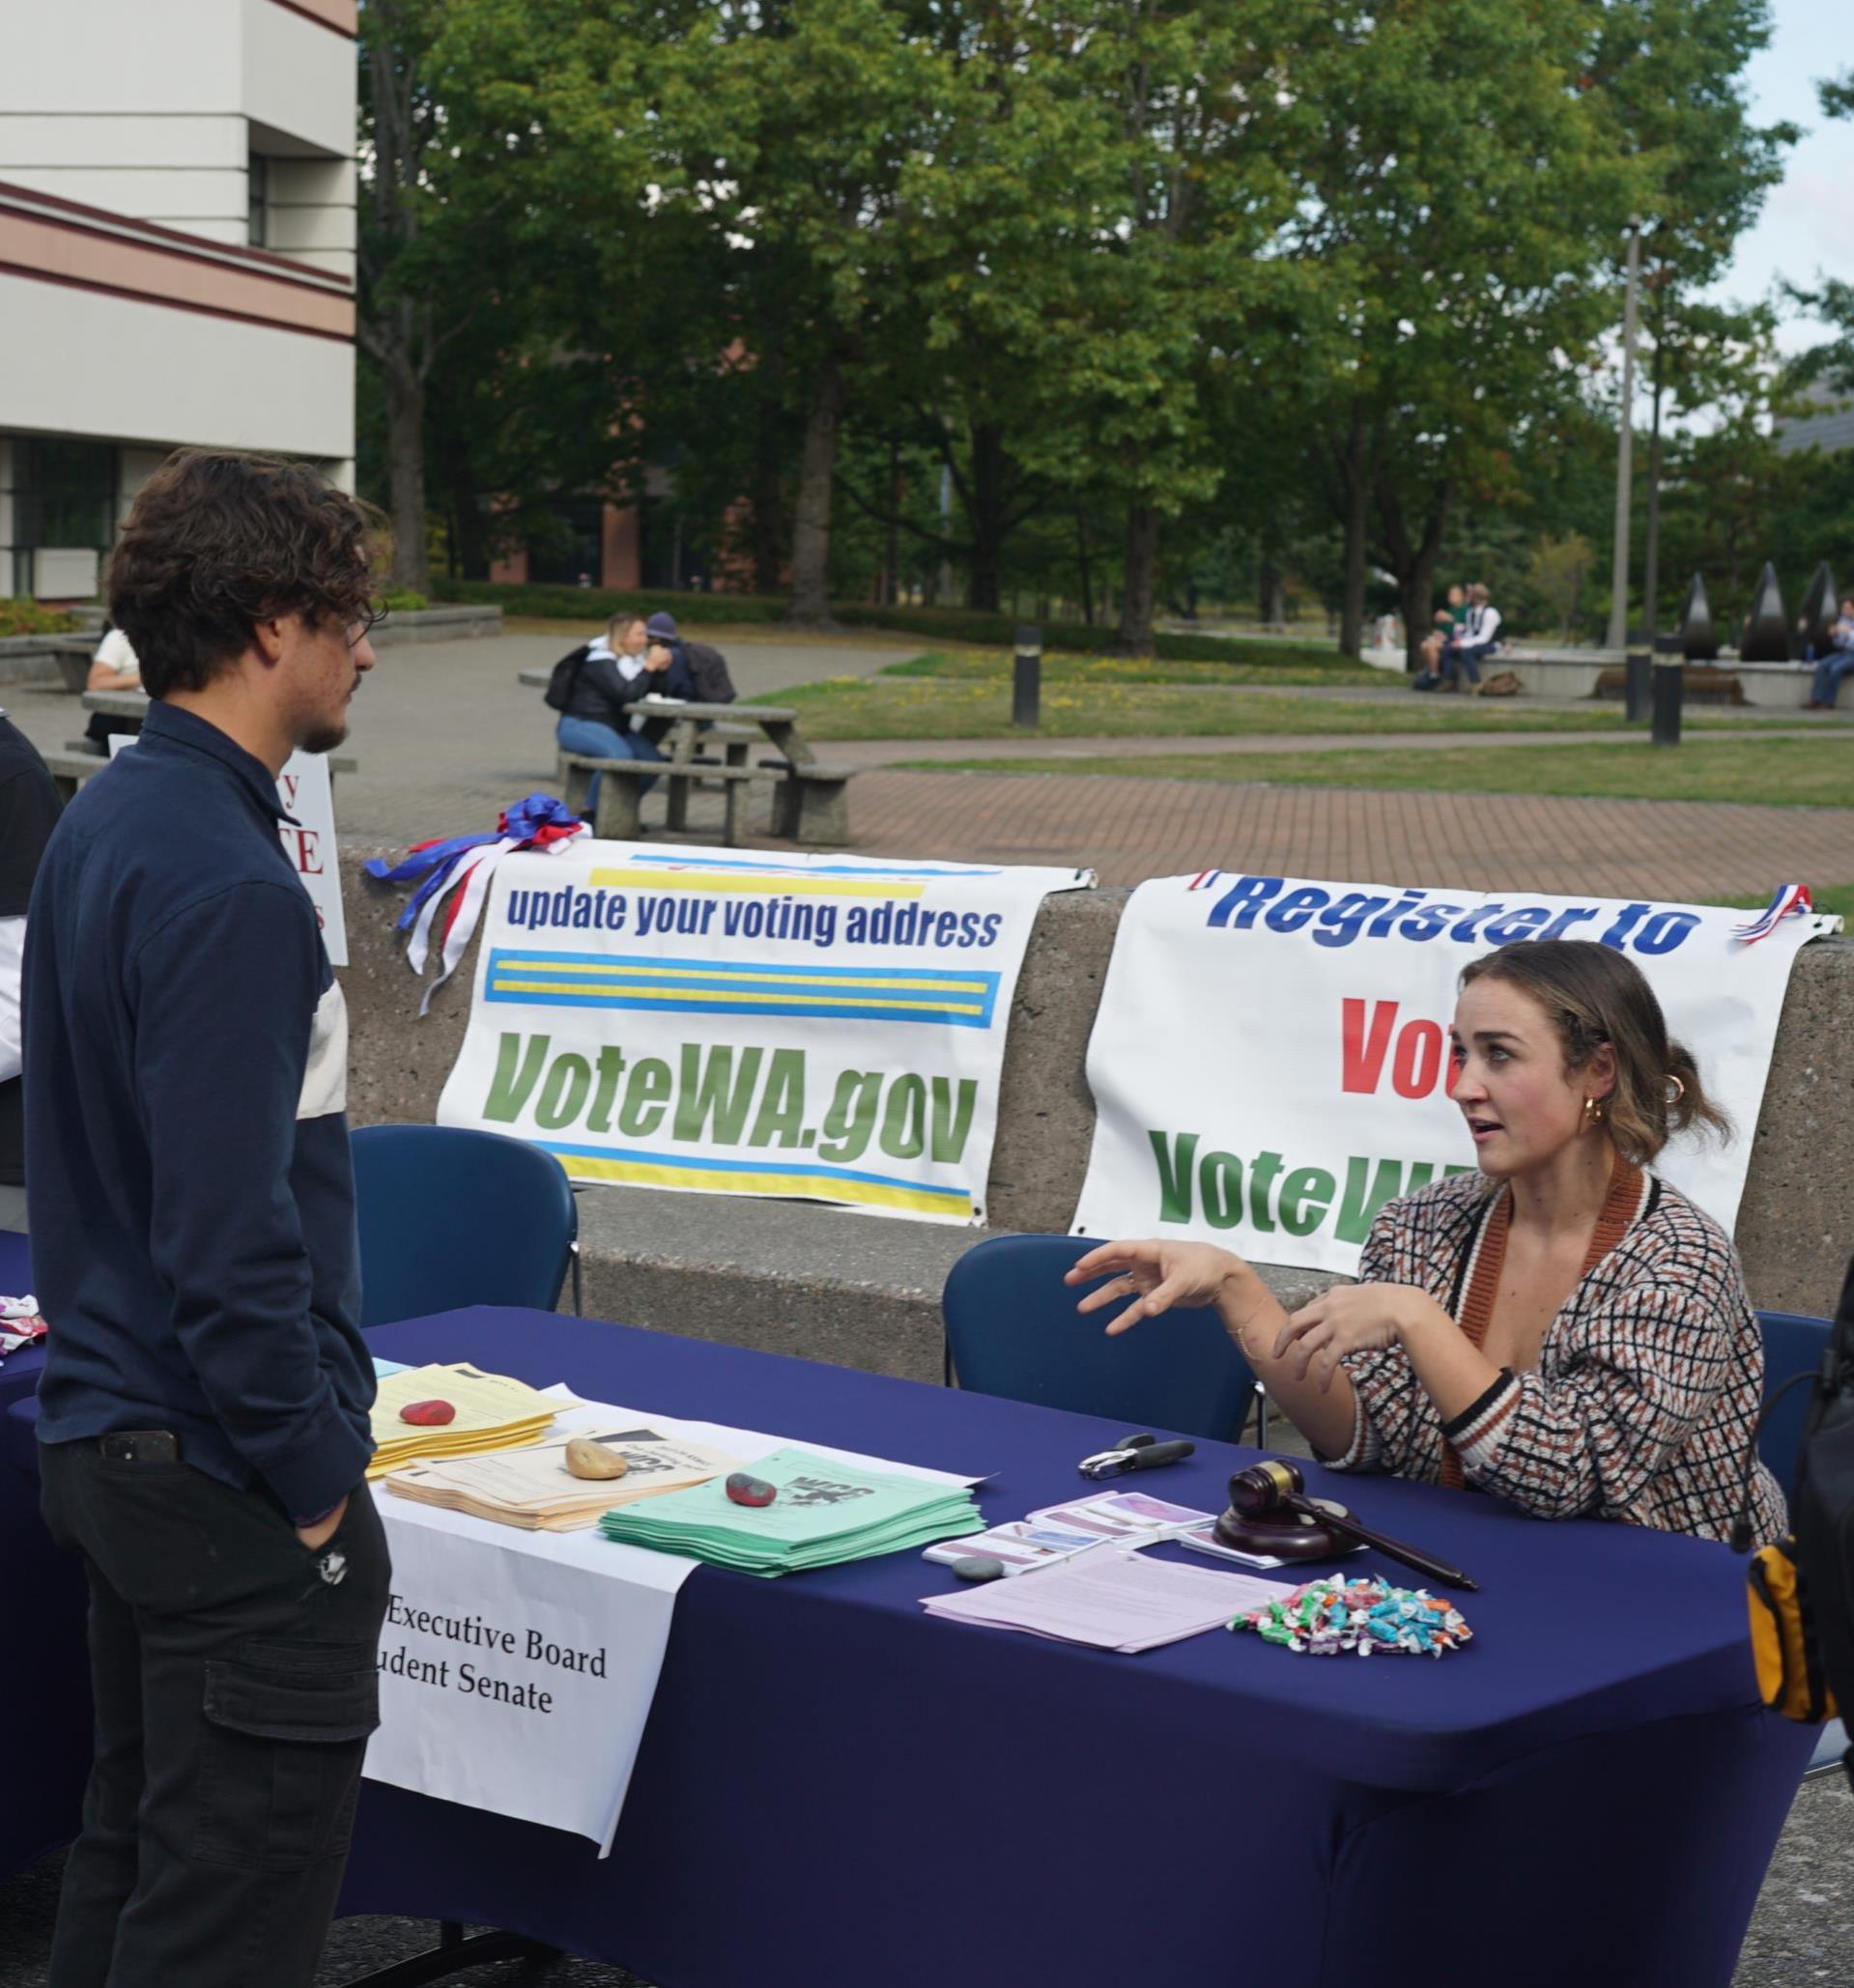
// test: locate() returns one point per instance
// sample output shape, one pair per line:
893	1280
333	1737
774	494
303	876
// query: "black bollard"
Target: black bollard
1670	685
1026	678
1637	669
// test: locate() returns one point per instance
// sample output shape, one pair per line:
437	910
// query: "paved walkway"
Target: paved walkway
1129	829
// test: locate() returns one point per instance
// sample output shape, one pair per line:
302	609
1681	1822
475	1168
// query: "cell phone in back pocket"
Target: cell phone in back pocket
141	1446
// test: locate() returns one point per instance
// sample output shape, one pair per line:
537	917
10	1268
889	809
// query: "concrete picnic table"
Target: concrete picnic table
810	801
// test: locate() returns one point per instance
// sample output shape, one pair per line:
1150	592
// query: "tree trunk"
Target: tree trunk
812	523
892	579
1651	562
1135	634
1081	569
1414	562
769	524
1353	473
405	395
984	511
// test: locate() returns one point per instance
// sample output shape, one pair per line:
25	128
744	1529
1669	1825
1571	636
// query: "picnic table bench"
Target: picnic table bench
810	801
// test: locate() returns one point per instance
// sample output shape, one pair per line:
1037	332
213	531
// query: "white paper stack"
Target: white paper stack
1110	1599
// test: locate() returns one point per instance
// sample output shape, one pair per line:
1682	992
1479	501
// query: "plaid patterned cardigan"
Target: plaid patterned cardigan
1647	1385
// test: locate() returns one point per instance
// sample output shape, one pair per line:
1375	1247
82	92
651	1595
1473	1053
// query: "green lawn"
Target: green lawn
1253	662
1789	773
898	705
1836	899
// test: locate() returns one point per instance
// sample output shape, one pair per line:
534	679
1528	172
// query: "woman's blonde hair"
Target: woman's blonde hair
1593	994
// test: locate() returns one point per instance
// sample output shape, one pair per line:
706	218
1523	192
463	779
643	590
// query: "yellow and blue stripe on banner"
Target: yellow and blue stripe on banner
959	997
809	1179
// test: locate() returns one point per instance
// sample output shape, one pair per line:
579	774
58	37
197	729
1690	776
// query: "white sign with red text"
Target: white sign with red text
1271	1061
307	794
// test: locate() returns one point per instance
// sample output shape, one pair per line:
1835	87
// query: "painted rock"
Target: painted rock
978	1566
750	1490
585	1458
428	1414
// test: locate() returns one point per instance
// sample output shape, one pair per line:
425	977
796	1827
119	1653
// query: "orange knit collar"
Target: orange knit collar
1620	1202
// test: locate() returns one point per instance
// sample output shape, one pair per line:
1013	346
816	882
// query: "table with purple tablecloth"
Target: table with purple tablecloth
836	1790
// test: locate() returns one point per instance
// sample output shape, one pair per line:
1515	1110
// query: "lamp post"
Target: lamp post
1026	678
1624	458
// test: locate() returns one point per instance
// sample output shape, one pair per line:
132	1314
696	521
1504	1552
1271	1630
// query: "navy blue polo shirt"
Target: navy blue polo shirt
186	1139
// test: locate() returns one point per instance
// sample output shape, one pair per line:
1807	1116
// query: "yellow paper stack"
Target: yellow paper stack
494	1412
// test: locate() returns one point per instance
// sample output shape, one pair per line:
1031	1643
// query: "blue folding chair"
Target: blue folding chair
1012	1329
451	1217
1794	1346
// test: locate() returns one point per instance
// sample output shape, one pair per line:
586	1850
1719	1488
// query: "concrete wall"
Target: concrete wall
1795	1226
154	108
211	381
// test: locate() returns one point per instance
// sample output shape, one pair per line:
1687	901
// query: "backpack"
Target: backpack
1802	1586
708	669
558	693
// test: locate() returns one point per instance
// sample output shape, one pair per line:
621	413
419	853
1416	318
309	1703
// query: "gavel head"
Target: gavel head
1265	1487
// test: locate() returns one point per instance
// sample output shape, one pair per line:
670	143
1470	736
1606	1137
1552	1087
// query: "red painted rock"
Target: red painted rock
428	1414
750	1490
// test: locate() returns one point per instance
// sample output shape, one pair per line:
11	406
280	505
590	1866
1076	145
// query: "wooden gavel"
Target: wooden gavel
1275	1491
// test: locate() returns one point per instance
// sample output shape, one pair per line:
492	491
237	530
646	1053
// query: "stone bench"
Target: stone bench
811	804
619	816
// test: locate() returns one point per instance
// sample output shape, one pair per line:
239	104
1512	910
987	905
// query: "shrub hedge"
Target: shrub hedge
591	604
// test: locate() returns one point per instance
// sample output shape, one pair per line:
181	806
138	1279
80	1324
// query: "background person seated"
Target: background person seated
115	666
1561	1328
1477	637
1448	626
1836	662
611	676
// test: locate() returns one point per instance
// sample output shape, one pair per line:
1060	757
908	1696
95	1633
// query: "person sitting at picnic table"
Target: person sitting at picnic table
610	676
1560	1327
115	666
1836	660
1477	637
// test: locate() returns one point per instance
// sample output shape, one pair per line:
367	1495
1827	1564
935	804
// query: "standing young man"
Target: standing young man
204	1407
28	808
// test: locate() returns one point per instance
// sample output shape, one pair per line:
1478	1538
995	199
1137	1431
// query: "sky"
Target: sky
1808	222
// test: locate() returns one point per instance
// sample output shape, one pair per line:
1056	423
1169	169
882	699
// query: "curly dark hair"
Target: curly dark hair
217	541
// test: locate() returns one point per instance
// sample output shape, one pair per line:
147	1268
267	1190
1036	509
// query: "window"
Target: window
64	494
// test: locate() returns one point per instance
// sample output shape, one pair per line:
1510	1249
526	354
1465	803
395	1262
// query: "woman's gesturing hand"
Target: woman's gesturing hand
1348	1318
1154	1275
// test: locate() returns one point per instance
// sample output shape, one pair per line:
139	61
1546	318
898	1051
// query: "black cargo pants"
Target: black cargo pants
234	1679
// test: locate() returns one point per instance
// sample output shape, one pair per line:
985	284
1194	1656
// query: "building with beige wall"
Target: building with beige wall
177	255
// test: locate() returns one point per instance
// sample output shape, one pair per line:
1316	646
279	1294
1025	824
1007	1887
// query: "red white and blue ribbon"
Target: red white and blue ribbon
1790	899
453	875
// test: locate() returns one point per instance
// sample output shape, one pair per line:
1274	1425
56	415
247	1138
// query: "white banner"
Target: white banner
818	1028
1270	1064
307	793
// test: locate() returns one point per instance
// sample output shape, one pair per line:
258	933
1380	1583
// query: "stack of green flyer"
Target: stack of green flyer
825	1512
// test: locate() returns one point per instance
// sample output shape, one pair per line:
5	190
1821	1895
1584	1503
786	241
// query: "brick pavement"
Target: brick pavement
1129	829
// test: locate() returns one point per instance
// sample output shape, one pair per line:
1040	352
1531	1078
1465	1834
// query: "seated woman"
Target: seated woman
609	676
1560	1327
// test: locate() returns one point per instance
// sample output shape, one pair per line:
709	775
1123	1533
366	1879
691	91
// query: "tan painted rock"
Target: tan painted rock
585	1458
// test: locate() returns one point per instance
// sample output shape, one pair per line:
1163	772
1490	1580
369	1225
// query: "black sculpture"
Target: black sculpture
1766	636
1698	638
1820	609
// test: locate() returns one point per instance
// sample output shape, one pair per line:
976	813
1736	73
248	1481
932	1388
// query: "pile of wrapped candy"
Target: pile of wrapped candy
1330	1617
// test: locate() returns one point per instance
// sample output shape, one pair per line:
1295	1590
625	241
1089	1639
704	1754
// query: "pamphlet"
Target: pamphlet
1117	1599
534	1489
